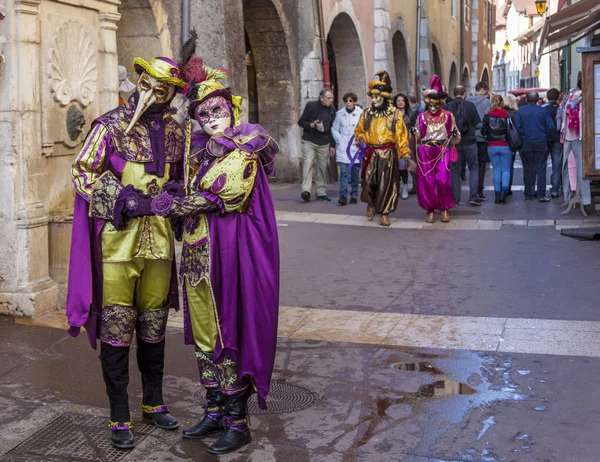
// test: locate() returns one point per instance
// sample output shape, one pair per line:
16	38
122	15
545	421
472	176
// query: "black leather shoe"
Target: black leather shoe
503	196
343	200
163	420
496	198
353	201
323	198
121	439
305	196
213	415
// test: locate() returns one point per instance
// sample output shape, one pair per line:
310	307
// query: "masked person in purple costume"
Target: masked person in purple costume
230	258
437	133
122	278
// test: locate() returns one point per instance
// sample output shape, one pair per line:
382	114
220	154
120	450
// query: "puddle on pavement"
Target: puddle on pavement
439	388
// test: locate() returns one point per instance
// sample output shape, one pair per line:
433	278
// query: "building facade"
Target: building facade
58	73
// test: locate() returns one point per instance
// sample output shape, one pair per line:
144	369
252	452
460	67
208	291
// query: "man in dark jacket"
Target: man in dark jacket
467	148
317	144
482	103
536	127
555	147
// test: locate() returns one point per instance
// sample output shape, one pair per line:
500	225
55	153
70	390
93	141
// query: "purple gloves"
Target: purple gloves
362	145
130	203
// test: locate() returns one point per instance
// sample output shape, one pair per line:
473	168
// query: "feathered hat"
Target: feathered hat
381	85
434	93
165	69
205	83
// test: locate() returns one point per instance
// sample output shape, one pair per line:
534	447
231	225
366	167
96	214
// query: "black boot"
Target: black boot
213	415
497	198
237	433
503	196
115	371
151	360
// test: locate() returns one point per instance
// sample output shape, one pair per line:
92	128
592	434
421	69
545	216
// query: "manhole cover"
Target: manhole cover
73	437
283	397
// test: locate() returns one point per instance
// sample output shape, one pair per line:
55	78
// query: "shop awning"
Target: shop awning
573	22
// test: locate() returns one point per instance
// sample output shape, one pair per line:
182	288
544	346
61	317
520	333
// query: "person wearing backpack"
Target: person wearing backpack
467	121
495	131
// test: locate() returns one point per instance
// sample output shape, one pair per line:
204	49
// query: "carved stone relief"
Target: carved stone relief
72	68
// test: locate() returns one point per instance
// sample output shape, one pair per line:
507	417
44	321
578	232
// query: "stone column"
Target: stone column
108	79
26	288
383	42
426	65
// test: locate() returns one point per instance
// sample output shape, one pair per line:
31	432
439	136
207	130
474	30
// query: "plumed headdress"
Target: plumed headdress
381	85
434	93
205	83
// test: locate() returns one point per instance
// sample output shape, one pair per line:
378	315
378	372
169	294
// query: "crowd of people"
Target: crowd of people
396	142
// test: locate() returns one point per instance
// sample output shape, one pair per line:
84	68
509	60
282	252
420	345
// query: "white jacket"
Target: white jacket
342	131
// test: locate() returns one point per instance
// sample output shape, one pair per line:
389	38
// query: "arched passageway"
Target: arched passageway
485	76
437	62
453	80
348	65
401	64
139	34
270	85
466	79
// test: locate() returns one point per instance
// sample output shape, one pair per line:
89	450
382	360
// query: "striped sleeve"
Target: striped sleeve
89	163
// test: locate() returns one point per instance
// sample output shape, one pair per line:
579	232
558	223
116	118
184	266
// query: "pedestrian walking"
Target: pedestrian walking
402	103
342	131
555	147
495	130
317	144
510	106
535	126
415	106
572	134
382	134
482	103
467	121
437	133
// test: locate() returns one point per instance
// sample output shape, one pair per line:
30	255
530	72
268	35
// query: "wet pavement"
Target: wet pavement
335	401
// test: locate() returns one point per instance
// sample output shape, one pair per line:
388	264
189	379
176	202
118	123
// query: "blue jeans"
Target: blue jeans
556	154
534	156
346	176
501	159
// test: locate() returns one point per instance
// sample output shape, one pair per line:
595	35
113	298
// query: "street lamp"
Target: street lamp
540	6
506	46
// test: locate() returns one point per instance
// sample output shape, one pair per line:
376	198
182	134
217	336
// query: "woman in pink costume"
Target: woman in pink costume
437	134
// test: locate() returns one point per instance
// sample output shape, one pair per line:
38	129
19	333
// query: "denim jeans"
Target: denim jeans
467	153
501	158
346	176
482	160
556	154
534	157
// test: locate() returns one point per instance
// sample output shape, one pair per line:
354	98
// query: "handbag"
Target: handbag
515	142
453	154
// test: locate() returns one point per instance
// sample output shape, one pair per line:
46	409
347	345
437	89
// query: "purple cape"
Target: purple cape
244	270
84	293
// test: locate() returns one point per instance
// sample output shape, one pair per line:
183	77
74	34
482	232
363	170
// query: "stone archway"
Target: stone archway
143	32
466	79
485	76
401	63
453	79
437	62
348	59
270	83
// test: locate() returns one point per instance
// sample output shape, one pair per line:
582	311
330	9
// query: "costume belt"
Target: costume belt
434	143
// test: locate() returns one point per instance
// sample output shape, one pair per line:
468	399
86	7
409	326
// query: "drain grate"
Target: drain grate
73	437
284	397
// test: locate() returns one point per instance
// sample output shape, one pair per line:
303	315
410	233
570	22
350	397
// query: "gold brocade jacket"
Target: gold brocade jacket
383	130
96	173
